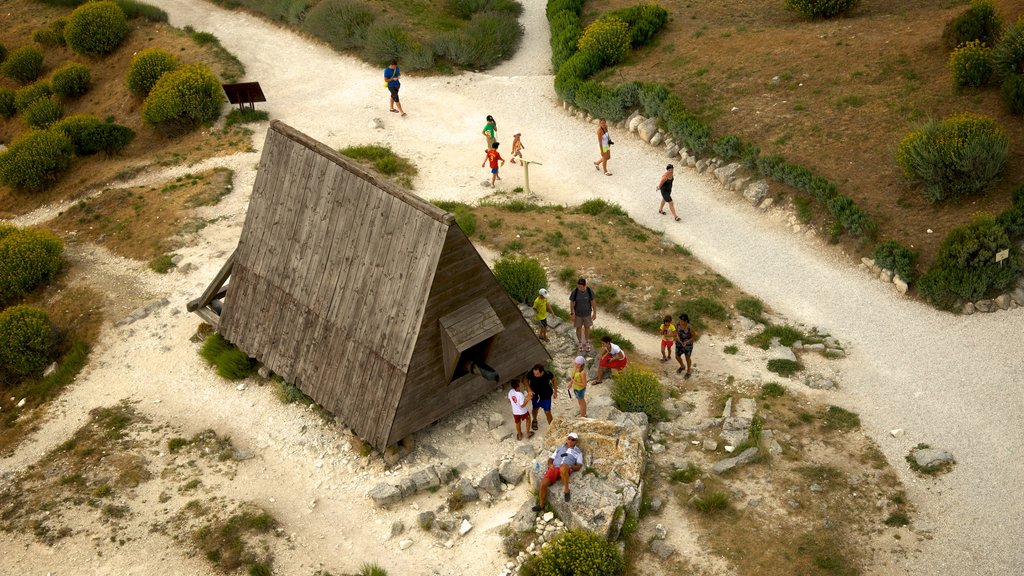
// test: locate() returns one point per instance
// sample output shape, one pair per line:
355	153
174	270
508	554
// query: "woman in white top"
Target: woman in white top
604	142
520	412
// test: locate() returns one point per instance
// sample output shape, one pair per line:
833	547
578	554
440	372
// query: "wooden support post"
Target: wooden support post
526	173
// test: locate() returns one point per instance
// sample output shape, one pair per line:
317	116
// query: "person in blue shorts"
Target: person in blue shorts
544	386
392	79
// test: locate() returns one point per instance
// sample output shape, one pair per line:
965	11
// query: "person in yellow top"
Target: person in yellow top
668	337
541	307
578	384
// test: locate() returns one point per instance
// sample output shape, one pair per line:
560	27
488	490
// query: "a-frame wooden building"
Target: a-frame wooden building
368	298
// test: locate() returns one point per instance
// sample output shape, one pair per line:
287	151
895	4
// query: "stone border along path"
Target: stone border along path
946	381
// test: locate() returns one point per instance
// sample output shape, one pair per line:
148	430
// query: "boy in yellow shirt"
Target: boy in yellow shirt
541	307
668	336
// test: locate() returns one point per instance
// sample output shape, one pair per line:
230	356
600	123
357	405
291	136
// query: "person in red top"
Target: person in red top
493	157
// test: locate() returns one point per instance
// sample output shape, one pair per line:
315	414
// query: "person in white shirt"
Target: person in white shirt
612	359
568	458
520	412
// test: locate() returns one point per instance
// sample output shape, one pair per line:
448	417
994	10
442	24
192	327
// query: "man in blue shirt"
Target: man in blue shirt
392	77
568	458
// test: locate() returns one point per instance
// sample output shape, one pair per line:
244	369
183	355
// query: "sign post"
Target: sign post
526	173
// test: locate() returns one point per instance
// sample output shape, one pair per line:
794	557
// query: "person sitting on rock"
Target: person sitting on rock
568	458
612	359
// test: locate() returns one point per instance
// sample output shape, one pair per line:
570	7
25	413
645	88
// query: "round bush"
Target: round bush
639	390
575	553
96	28
521	277
341	23
491	37
965	269
979	22
28	258
1012	219
89	135
971	64
1013	93
820	8
3	52
24	97
1008	54
7	108
24	64
70	80
894	256
26	340
608	37
147	67
43	112
35	160
184	98
959	156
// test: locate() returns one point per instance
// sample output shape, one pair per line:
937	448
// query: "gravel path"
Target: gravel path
948	381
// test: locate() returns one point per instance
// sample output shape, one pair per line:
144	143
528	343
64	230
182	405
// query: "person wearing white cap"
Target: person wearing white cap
565	460
541	307
578	385
517	146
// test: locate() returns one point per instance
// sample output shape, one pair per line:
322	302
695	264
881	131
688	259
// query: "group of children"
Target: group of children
493	157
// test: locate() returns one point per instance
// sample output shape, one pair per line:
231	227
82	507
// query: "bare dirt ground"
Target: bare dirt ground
306	474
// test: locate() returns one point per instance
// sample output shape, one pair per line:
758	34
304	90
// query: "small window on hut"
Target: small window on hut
467	335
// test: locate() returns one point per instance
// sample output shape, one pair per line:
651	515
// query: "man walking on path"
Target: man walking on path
568	458
665	187
582	312
685	335
544	387
392	79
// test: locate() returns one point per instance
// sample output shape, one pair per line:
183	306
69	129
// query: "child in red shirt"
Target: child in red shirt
493	157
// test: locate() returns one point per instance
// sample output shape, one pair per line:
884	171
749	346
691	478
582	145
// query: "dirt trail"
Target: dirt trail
947	380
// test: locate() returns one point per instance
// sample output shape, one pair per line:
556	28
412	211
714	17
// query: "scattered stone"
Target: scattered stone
793	504
465	527
426	519
635	122
673	151
819	382
426	479
21	403
816	347
764	205
494	419
240	387
931	458
754	502
377	124
727	173
896	433
817	488
774	448
710	445
491	483
900	284
701	166
658	448
727	411
647	129
385	495
867	262
986	306
739	184
662	549
756	193
657	139
656	504
176	259
660	532
1003	301
50	370
784	353
397	527
240	455
1018	296
404	544
501	434
186	268
511	472
746	457
885	275
968	308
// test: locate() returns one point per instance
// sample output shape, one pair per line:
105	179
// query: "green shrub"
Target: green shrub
147	67
52	35
965	268
1012	219
230	362
26	340
729	147
89	134
1013	93
96	28
971	64
784	367
245	116
820	8
598	207
385	41
772	390
3	52
7	108
959	156
133	10
685	475
70	80
711	502
183	99
644	21
1008	53
521	277
494	35
837	418
566	29
700	310
609	38
24	97
35	159
465	9
573	71
979	22
555	6
894	256
751	308
23	64
341	23
639	390
575	553
43	112
28	259
787	335
372	569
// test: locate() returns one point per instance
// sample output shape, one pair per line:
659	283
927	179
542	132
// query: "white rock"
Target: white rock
896	432
730	449
404	544
21	404
240	387
548	516
465	527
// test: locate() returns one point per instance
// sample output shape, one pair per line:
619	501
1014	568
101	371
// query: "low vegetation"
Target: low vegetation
384	160
639	390
575	552
784	366
230	362
520	277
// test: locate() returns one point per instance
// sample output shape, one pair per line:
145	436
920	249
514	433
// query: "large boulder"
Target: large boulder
635	122
746	457
756	192
727	173
385	495
647	129
491	483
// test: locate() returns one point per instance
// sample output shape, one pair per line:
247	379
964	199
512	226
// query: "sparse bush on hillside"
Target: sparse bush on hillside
341	23
147	67
52	35
385	41
133	10
1013	93
43	112
639	390
28	259
35	160
26	340
965	269
96	28
230	362
1008	53
644	21
979	22
183	99
465	9
575	552
729	147
820	8
24	97
89	134
23	64
70	80
7	108
609	38
894	256
959	156
3	52
521	277
971	64
1012	219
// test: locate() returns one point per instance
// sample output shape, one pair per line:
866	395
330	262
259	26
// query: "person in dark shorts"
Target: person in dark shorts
582	312
520	413
685	335
665	187
544	387
392	79
565	460
493	157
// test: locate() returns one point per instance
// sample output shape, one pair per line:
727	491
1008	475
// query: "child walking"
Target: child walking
668	337
493	157
578	384
520	412
541	307
517	146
